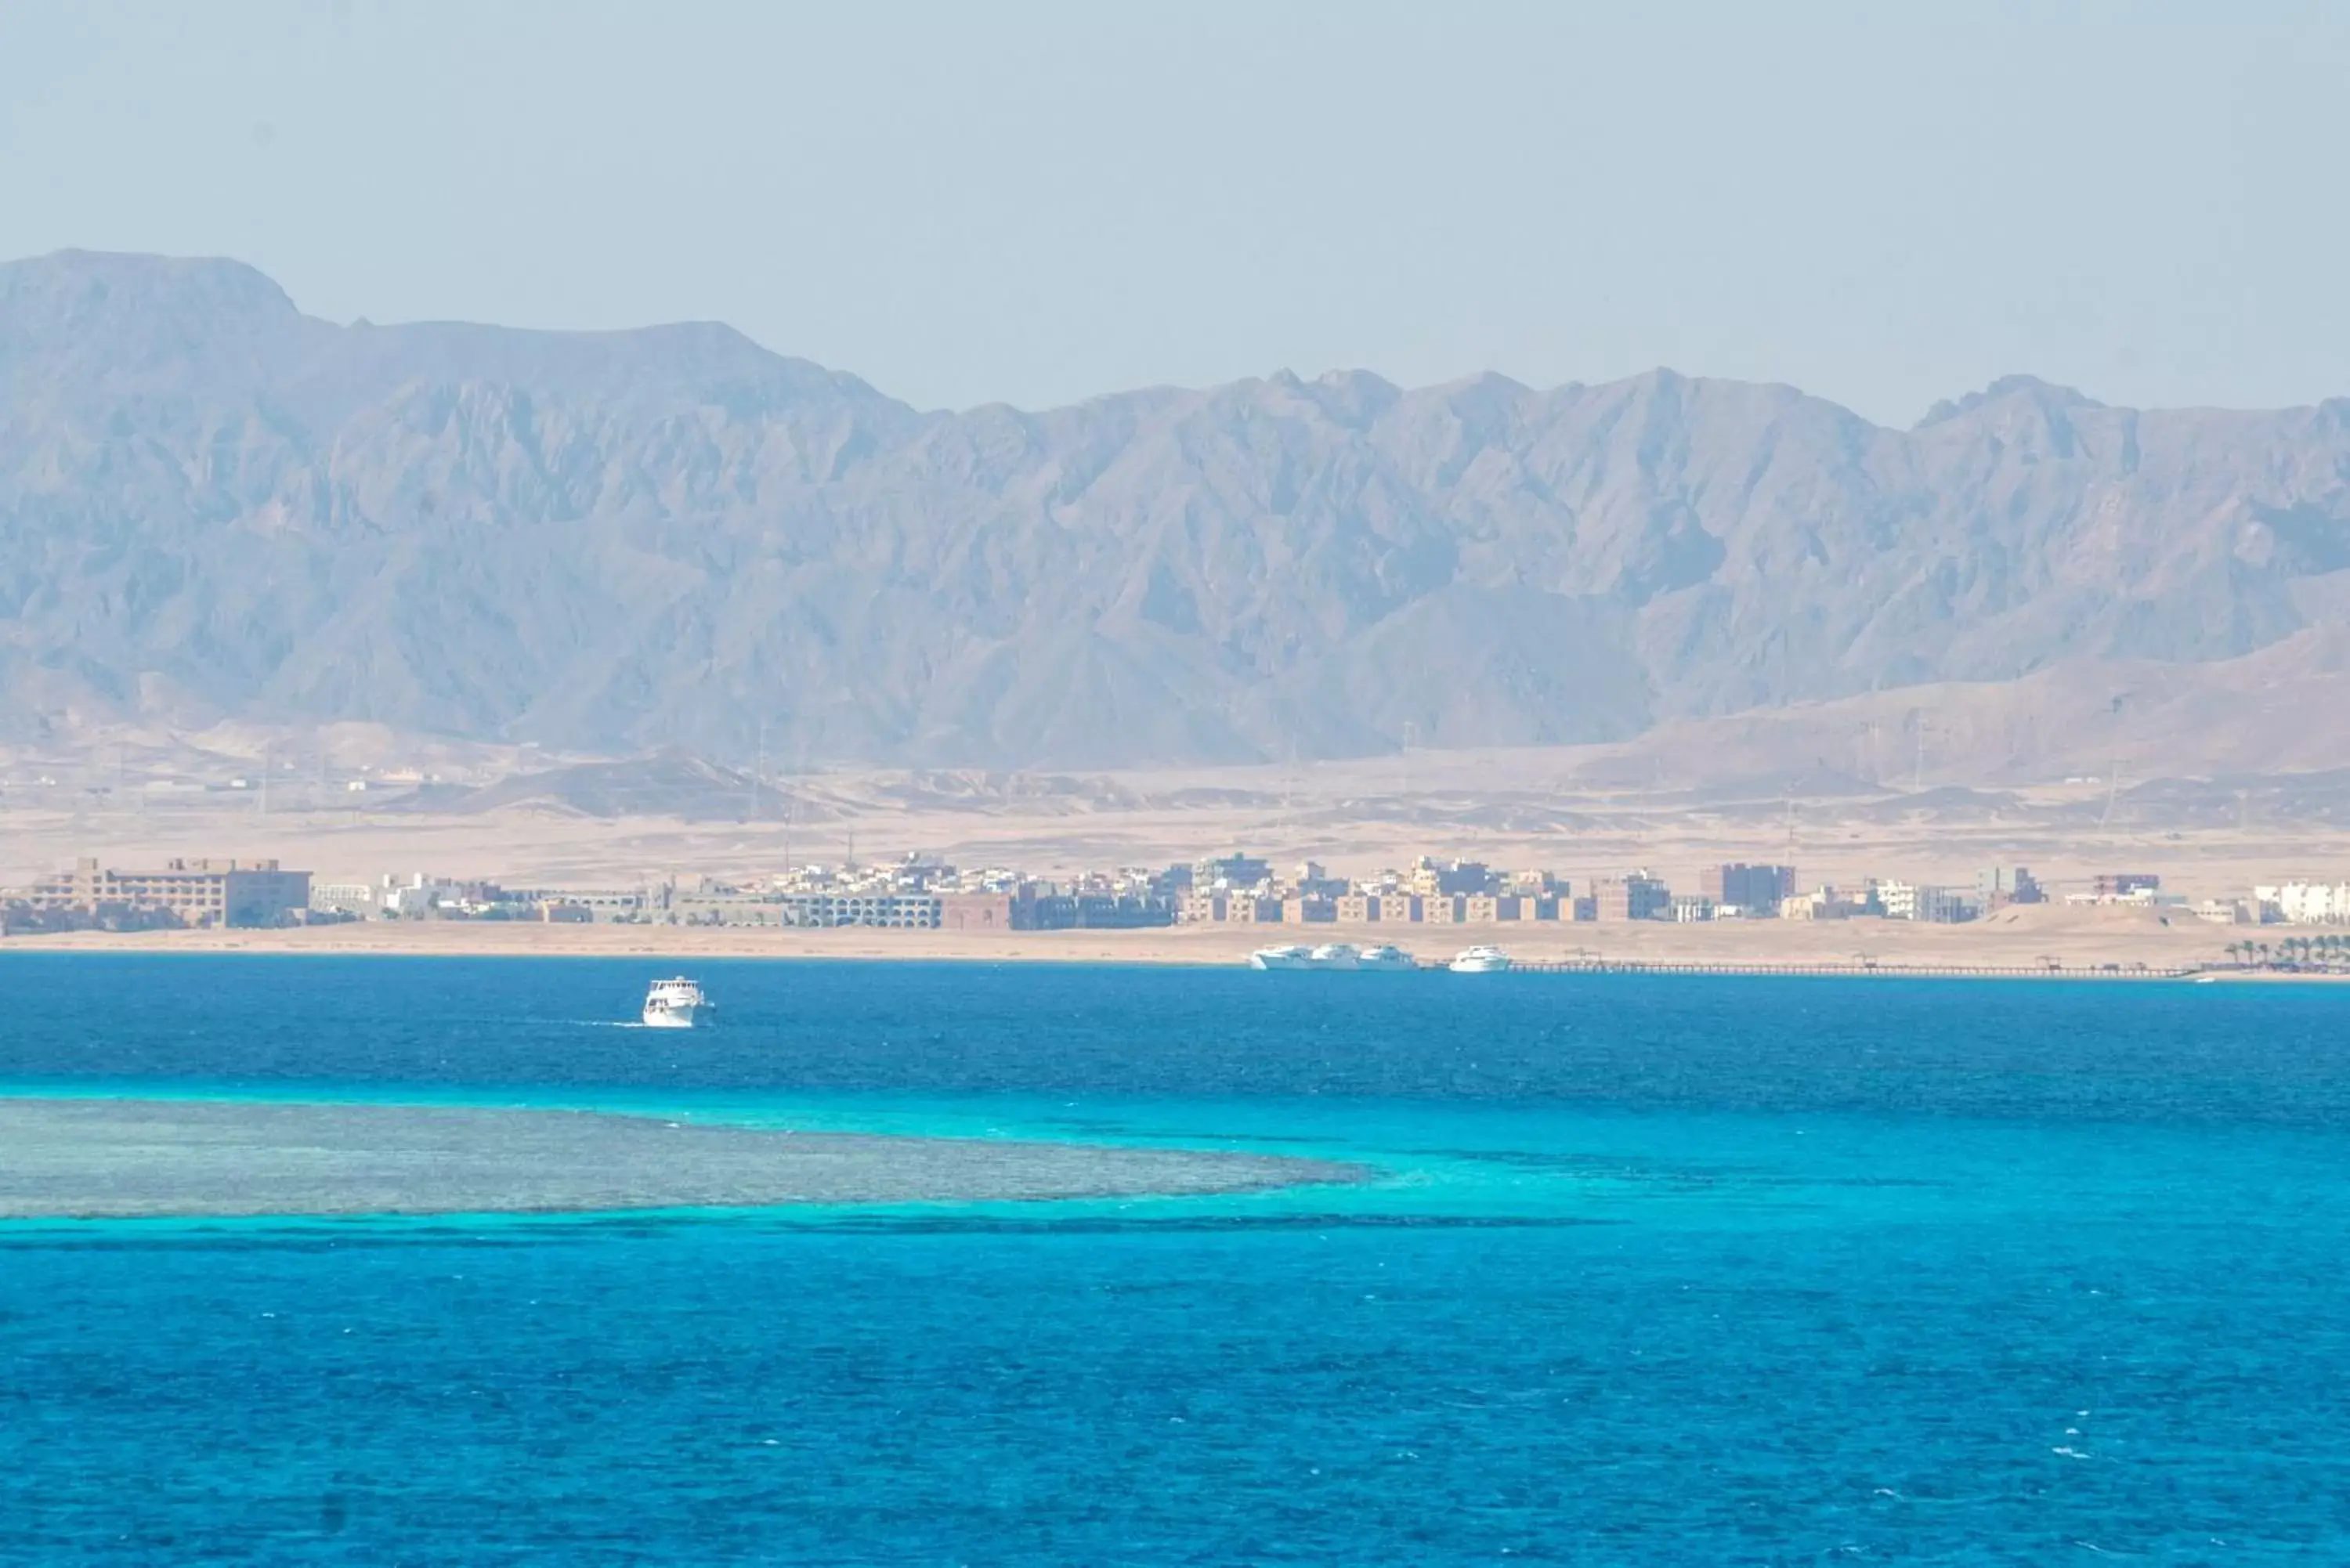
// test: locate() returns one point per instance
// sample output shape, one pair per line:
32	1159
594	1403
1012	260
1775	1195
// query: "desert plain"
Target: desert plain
1579	811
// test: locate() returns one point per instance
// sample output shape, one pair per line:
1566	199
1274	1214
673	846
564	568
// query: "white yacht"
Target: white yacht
1281	957
1479	960
1335	955
677	1004
1384	956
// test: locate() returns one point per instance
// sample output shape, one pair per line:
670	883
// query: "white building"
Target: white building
343	898
1924	902
2305	903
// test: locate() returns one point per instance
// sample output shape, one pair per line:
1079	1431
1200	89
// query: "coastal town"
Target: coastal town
916	893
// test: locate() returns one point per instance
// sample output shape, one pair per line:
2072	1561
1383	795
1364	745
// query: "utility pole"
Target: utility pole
2113	768
790	804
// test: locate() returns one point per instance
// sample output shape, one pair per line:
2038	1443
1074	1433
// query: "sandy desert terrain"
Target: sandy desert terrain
1523	808
1565	810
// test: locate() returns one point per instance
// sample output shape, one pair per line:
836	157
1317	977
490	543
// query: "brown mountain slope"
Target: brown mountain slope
213	508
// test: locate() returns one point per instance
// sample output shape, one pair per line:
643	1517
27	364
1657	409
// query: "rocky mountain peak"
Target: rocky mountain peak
212	505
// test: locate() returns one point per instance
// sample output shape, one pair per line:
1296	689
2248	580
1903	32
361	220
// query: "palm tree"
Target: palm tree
2232	950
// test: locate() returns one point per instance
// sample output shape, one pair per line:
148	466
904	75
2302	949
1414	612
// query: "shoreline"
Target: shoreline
2049	944
100	1157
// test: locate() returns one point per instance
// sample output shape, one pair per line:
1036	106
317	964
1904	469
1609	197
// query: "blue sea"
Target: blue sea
1653	1271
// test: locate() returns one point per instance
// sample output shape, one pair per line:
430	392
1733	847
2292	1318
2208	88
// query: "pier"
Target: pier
1850	970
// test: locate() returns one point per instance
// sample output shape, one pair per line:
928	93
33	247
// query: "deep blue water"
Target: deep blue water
1656	1272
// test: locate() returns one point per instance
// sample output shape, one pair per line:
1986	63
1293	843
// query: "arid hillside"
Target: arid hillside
215	509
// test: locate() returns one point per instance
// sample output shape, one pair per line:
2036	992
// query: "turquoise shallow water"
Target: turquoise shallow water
1766	1272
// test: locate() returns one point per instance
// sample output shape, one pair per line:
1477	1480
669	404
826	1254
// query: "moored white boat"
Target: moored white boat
1479	960
1384	956
1281	957
1335	955
677	1004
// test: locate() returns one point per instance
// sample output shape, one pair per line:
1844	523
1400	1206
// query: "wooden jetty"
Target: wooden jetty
1856	970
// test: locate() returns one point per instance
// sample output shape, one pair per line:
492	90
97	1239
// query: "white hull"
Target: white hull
1332	956
676	1004
1479	961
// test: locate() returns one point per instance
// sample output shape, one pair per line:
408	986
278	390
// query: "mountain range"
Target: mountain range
213	508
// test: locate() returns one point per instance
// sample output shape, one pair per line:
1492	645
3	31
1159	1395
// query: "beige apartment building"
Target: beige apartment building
199	892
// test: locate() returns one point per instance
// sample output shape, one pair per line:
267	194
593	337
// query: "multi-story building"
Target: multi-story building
1459	879
907	911
975	912
1203	908
1946	906
343	898
1638	897
1062	910
2000	885
1753	890
1311	881
1823	903
1231	871
2304	903
1925	903
600	905
197	892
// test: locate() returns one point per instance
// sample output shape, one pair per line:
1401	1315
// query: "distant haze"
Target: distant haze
1036	203
212	506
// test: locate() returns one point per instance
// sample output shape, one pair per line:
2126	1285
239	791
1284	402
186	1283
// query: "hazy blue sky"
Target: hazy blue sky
1882	203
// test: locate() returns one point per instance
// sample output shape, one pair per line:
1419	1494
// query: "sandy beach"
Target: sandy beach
103	1158
2031	938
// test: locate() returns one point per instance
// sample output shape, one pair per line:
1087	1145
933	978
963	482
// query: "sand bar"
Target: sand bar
104	1159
